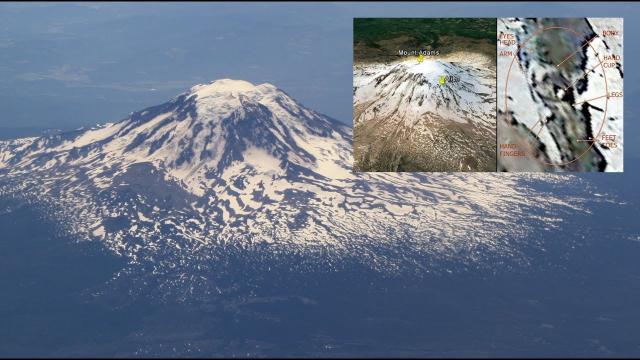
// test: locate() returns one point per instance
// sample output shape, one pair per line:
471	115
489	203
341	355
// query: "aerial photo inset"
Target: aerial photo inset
560	94
424	94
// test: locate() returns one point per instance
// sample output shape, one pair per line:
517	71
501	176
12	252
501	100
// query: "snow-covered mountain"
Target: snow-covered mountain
403	108
232	165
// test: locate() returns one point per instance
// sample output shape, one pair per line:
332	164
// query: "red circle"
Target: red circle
506	88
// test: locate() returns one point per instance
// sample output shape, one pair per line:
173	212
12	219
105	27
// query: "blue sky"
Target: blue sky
67	65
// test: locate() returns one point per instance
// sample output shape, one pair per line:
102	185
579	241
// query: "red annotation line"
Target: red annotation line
595	98
583	75
581	47
540	121
540	130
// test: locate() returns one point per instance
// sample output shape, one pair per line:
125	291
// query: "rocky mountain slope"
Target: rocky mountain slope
405	119
235	167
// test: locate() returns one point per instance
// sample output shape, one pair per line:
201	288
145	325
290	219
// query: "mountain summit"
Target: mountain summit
433	115
197	135
235	165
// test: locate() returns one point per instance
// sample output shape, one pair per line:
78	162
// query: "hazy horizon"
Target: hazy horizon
67	65
231	222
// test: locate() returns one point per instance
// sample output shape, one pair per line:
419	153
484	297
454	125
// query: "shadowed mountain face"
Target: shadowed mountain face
236	168
237	229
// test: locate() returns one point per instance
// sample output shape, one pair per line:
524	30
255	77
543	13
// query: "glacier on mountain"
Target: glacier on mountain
406	120
232	165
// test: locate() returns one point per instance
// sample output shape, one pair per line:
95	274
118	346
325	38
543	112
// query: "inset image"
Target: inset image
560	94
424	94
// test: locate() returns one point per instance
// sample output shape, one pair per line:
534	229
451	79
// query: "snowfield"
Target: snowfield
403	114
233	165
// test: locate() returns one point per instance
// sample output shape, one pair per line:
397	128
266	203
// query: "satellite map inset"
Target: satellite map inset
560	94
424	94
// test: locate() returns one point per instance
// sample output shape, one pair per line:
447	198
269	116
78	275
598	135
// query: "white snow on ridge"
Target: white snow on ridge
410	90
295	193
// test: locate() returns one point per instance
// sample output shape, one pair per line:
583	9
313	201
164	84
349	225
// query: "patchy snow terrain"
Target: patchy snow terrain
406	120
232	166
